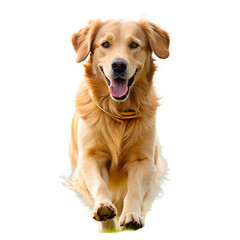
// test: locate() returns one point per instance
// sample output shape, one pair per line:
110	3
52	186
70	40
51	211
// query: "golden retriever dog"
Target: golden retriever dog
114	150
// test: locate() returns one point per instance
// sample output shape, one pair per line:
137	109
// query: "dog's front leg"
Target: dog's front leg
140	176
95	179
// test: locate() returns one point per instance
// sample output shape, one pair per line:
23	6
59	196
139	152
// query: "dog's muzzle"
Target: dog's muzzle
119	86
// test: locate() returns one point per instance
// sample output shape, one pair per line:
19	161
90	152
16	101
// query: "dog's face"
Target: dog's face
120	52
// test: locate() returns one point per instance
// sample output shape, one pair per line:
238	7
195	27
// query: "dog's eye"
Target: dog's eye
133	45
106	44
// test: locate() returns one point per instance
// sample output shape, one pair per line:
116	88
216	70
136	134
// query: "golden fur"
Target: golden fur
117	166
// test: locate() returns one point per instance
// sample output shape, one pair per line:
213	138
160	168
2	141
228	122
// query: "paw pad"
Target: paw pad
104	212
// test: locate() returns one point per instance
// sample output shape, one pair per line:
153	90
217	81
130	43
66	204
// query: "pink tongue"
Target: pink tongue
118	87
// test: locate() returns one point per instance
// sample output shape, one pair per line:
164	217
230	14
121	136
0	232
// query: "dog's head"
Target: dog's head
120	52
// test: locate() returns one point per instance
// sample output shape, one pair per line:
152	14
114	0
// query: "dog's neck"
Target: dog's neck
125	115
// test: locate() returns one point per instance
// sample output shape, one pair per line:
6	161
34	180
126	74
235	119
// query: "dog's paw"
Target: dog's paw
104	211
131	221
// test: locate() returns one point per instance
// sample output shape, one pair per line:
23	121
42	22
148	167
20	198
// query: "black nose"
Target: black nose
119	65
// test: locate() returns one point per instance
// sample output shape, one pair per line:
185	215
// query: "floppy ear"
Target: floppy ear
82	40
157	37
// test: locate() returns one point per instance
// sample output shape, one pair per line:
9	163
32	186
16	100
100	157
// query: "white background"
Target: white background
198	121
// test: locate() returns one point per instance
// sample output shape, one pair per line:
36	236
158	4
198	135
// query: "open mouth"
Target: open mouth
119	87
